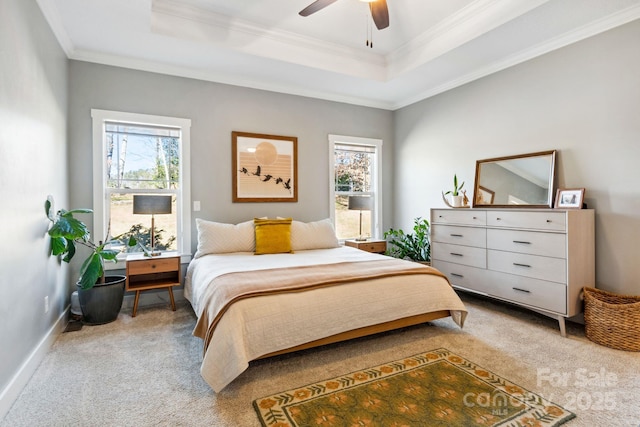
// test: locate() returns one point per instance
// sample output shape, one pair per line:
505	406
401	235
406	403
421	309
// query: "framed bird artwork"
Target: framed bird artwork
265	167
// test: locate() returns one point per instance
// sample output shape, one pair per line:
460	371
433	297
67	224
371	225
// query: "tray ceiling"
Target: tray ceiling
430	46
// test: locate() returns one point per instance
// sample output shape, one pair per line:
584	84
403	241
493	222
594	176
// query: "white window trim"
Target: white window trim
376	215
99	118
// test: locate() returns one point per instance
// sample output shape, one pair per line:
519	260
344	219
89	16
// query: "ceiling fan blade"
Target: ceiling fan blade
380	13
315	6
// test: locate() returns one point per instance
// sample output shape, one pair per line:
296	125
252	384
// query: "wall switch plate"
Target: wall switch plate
196	206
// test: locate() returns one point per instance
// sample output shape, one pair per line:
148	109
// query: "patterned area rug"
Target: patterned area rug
437	388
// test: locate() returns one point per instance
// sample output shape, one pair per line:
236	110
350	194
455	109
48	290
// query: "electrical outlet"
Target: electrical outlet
46	304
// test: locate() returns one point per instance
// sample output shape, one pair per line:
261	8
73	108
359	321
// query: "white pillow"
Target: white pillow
313	235
220	238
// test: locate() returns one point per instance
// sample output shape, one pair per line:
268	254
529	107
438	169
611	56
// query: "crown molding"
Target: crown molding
222	78
471	22
52	16
184	21
599	26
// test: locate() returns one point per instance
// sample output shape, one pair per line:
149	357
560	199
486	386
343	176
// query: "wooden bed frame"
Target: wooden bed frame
365	331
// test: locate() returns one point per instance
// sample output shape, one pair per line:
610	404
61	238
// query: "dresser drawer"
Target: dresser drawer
463	276
534	266
539	220
528	242
545	295
458	216
466	255
467	236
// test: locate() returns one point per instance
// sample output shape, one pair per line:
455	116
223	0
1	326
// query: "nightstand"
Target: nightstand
375	246
146	273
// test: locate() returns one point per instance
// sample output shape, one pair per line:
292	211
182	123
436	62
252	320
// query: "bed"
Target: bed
317	292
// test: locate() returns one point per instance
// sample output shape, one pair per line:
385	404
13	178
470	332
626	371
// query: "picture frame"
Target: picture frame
484	196
264	167
569	198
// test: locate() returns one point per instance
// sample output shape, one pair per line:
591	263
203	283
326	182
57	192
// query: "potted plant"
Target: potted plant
415	246
100	296
456	197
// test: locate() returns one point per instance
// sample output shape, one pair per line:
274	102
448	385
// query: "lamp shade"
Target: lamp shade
360	203
150	205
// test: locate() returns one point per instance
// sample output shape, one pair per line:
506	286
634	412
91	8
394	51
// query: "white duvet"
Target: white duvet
257	326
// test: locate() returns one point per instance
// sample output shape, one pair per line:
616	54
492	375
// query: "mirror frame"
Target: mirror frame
552	178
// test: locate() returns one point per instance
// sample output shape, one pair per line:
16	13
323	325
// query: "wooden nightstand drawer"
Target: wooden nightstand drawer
148	266
375	246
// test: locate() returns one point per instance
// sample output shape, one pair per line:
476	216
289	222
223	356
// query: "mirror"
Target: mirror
525	180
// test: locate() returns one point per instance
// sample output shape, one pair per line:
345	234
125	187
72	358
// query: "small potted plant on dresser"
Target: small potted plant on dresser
414	246
457	198
100	296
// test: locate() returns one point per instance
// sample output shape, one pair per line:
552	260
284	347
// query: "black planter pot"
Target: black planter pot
102	303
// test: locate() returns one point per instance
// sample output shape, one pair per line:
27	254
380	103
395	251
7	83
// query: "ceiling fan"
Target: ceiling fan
379	11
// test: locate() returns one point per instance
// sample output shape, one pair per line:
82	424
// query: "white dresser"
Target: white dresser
536	258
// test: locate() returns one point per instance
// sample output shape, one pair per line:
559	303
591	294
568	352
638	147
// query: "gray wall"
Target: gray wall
583	100
215	111
33	152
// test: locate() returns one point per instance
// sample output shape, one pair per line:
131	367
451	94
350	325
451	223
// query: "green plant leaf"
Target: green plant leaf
47	208
75	211
70	251
58	245
108	254
69	228
90	271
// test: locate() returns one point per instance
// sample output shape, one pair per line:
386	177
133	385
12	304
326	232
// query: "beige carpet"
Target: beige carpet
144	371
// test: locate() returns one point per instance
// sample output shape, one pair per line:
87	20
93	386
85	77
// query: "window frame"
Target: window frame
100	193
376	181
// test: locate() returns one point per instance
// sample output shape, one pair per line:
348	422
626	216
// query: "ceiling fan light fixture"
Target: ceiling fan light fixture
378	8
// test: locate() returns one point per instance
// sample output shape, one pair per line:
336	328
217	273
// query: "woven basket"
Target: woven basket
612	320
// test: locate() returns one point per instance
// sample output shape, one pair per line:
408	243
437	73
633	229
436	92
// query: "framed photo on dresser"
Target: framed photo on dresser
569	198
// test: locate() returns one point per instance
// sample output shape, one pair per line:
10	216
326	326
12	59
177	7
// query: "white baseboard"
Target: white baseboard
31	363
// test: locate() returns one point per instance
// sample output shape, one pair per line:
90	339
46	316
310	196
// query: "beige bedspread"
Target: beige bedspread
245	315
228	288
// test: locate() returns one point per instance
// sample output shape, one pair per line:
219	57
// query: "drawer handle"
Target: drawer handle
498	219
475	217
153	266
455	254
548	220
521	265
522	242
457	275
457	235
522	290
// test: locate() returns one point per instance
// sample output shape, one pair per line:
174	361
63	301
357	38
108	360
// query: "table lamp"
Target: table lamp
151	205
360	203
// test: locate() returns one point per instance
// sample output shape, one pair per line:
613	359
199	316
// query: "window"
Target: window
354	171
138	154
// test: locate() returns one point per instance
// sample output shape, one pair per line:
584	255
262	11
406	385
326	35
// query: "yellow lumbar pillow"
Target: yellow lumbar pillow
273	236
